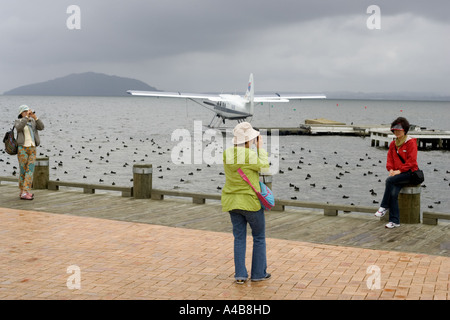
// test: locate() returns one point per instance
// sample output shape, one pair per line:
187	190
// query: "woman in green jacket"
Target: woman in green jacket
239	199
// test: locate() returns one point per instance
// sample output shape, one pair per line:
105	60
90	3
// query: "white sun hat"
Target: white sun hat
23	108
244	132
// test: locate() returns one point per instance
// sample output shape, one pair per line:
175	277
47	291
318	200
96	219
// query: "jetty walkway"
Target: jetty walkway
380	134
69	245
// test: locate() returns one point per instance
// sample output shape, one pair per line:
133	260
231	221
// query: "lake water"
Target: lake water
98	139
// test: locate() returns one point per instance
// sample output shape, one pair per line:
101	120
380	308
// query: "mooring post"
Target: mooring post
41	173
408	204
142	181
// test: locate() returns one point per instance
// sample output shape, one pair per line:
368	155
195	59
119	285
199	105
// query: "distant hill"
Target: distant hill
83	84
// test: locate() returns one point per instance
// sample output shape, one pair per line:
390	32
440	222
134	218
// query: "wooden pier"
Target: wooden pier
143	189
289	219
323	126
298	224
426	139
380	135
322	129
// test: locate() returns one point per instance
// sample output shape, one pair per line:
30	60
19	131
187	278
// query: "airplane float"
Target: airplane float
228	106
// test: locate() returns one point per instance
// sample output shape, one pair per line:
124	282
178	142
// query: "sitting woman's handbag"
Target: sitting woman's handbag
265	196
417	177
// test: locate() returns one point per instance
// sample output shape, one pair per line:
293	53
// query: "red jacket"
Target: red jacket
408	151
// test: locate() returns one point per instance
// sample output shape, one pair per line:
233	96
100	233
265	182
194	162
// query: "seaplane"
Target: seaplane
228	106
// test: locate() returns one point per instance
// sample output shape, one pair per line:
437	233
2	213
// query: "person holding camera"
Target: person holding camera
27	127
239	199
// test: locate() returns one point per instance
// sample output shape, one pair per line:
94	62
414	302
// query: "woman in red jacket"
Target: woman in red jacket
403	147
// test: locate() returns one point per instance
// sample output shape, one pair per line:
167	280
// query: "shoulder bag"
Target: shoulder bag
417	177
265	196
10	142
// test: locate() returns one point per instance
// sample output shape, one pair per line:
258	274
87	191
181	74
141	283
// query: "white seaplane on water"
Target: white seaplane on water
228	106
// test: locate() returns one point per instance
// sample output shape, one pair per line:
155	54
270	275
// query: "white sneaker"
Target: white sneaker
391	225
381	212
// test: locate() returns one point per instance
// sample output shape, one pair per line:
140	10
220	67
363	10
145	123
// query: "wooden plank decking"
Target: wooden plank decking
351	229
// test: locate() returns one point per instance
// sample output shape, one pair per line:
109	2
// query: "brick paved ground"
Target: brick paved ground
127	260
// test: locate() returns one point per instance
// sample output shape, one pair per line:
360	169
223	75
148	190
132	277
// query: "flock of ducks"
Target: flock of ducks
91	156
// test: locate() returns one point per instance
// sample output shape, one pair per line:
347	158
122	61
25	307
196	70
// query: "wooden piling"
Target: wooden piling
142	181
409	204
41	173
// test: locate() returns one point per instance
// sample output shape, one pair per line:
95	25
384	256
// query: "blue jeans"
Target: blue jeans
256	220
390	199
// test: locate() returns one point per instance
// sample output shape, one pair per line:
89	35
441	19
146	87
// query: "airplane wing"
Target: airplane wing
165	94
223	97
286	97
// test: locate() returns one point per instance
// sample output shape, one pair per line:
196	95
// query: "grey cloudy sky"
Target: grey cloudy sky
212	45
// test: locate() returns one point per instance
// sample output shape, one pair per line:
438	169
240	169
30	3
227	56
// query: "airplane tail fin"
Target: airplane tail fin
249	95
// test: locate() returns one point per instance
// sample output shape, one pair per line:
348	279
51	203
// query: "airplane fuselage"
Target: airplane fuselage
232	107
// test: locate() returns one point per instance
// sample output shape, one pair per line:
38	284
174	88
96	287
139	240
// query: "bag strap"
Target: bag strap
242	174
399	155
